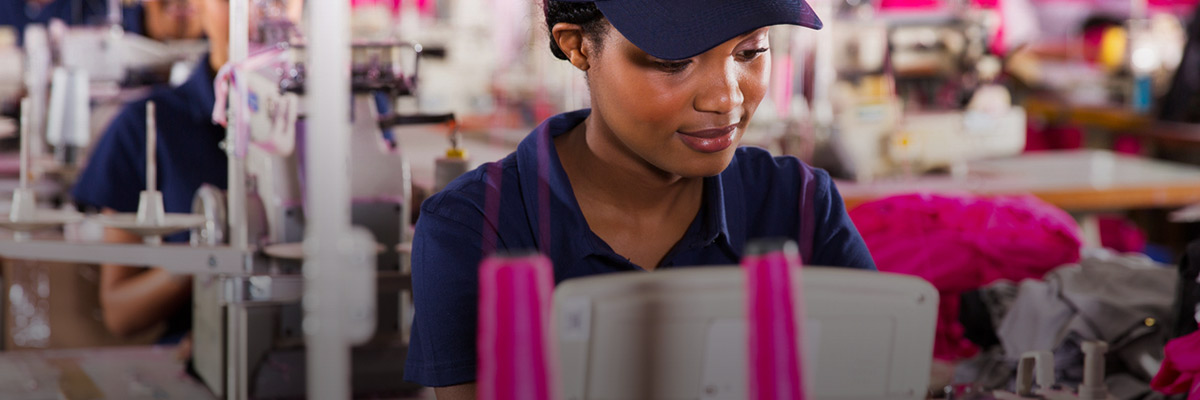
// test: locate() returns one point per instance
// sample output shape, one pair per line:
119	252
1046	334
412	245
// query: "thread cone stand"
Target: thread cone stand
151	221
24	217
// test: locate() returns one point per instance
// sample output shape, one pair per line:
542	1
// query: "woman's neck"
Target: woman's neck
639	210
602	169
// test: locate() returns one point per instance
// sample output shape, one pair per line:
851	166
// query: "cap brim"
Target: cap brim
674	29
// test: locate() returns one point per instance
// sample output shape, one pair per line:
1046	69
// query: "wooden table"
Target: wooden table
1076	181
1115	119
1106	116
1172	134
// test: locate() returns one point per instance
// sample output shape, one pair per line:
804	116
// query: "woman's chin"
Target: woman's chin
706	165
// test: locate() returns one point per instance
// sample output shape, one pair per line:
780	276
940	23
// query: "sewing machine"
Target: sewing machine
268	91
884	126
79	77
98	70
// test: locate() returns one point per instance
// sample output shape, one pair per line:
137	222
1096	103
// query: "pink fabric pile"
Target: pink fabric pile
961	242
1180	368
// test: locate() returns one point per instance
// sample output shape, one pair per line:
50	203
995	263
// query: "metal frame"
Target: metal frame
328	350
182	259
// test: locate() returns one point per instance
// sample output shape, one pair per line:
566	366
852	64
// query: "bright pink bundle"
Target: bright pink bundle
1180	367
962	242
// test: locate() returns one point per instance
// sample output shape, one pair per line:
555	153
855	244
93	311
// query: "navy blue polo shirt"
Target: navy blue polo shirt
757	196
187	149
18	13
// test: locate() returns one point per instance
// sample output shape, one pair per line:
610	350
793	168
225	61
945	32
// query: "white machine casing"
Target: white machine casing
681	334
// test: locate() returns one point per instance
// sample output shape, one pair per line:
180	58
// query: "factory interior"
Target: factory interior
600	200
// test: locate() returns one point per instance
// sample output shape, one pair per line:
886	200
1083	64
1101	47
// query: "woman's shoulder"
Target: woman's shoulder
466	196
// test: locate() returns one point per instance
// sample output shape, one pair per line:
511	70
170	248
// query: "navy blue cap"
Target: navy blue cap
679	29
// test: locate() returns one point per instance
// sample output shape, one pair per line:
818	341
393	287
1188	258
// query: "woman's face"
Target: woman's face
680	117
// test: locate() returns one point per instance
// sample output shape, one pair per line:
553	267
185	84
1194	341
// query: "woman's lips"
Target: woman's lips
709	140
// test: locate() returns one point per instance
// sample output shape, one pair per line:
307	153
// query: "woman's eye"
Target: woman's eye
673	66
748	55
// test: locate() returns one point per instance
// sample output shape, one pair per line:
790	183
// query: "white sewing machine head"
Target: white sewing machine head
877	136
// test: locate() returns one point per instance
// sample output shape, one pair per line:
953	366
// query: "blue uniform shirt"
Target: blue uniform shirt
187	149
757	196
18	13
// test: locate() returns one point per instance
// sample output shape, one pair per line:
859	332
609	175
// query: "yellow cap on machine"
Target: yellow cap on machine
457	153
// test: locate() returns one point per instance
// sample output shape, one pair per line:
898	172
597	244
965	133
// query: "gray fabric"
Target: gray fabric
1036	319
999	297
989	369
1106	297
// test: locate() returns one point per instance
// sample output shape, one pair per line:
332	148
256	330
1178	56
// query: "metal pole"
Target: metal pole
151	148
328	193
239	43
235	352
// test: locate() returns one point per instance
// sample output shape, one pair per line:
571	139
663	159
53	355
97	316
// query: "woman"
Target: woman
651	177
134	299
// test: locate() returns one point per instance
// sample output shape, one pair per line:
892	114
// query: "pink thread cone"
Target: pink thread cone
515	340
773	331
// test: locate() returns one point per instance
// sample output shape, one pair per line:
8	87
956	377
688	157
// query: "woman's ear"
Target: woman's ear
569	38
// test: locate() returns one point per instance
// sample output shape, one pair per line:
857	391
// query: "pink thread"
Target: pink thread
774	334
515	338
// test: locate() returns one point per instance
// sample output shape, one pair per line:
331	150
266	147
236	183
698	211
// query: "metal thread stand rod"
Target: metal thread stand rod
26	114
151	148
328	193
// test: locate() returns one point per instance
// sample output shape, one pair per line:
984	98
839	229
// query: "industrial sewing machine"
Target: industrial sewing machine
248	333
889	119
78	78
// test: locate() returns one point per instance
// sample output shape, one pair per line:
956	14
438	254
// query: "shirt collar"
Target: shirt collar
570	237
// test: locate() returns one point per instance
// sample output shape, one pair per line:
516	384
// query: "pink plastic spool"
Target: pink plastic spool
774	333
516	339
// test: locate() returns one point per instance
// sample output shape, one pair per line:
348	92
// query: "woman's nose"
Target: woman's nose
720	92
